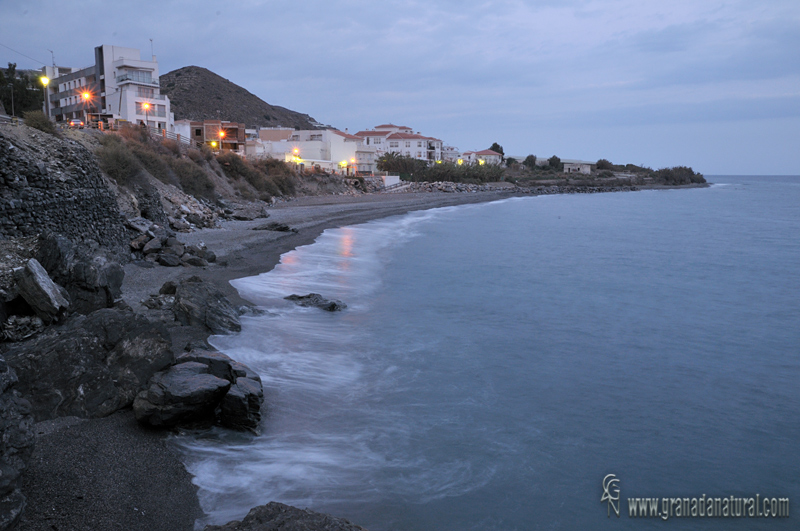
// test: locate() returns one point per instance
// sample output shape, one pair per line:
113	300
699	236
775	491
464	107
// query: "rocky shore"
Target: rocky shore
107	297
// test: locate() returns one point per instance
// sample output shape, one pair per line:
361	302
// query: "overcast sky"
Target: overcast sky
710	84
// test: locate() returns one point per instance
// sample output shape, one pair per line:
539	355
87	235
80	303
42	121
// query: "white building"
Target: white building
577	166
486	156
328	149
390	138
120	86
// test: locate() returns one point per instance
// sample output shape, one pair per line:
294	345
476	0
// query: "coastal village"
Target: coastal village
121	87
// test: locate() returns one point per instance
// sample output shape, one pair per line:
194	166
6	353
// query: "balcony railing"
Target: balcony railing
136	79
150	96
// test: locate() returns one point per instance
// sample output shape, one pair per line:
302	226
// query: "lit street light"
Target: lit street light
146	107
45	80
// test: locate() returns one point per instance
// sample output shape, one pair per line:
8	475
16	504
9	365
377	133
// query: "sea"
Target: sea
529	363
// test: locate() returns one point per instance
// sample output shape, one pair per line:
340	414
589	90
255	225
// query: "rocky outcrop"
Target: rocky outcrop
52	183
92	365
92	280
199	303
276	516
16	446
317	301
160	245
204	385
40	292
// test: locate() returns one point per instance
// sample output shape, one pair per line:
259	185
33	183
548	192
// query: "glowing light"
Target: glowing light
460	161
296	151
343	163
86	96
481	162
145	106
45	80
221	133
353	161
213	144
438	162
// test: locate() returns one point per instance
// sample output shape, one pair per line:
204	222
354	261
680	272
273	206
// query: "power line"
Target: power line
22	54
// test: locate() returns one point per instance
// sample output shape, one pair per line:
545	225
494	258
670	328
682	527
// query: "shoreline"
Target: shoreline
126	456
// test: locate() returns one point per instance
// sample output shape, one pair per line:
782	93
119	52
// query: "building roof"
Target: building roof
373	133
487	152
348	136
390	126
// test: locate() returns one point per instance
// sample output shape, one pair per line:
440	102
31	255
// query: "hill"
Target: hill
197	93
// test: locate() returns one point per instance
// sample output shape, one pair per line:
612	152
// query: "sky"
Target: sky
714	85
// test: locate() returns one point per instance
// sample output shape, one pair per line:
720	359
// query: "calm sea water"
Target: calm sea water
496	361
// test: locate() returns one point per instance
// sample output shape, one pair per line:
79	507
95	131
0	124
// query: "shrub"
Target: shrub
555	163
117	161
235	167
172	146
195	155
678	175
38	120
134	132
193	180
154	163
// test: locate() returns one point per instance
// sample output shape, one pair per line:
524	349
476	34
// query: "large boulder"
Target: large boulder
16	446
316	300
204	385
40	292
91	366
185	392
91	279
276	516
198	302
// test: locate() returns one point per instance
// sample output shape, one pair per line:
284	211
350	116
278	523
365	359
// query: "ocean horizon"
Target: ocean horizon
498	360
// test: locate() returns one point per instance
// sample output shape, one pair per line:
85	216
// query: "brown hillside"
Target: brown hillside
197	93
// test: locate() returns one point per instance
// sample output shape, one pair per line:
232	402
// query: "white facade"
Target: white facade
486	156
329	149
577	166
121	86
390	138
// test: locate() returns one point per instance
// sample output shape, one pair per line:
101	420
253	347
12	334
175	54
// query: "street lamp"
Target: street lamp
221	138
45	80
146	107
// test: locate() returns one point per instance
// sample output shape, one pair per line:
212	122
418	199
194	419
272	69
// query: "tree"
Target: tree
497	148
530	162
555	163
27	94
603	164
510	161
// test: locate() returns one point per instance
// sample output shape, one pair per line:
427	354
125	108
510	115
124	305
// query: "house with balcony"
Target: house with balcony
218	135
400	139
119	87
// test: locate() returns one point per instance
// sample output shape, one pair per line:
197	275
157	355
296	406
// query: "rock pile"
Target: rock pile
448	187
276	516
315	300
204	385
158	244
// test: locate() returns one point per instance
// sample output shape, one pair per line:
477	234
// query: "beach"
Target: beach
111	473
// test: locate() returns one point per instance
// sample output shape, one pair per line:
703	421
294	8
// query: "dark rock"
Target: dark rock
168	288
193	260
138	243
198	302
139	224
185	392
41	293
276	516
180	225
241	405
276	226
173	246
218	363
318	301
153	246
193	250
92	280
91	366
16	446
169	260
209	256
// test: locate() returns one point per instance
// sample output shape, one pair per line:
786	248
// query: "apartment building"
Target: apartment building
486	156
219	135
120	87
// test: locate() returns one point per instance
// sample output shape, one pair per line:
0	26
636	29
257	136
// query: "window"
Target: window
376	141
408	144
198	132
419	144
394	144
